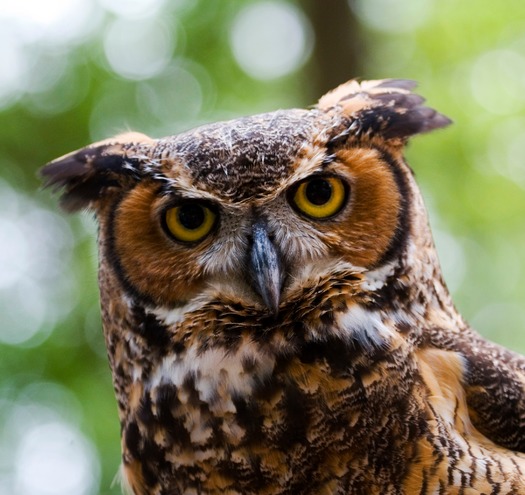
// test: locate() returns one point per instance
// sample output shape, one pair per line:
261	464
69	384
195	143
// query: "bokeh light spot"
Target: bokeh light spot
138	49
55	459
506	149
52	21
35	41
133	9
176	95
66	93
12	69
271	39
115	111
497	80
31	267
42	450
394	16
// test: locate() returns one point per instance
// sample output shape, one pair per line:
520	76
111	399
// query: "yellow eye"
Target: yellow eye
189	222
320	197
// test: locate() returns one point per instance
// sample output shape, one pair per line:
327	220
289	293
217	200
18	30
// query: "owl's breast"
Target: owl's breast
283	406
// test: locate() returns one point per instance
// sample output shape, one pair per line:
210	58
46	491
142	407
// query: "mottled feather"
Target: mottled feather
291	349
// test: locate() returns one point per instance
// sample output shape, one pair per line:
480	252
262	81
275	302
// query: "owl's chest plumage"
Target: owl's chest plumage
270	413
281	408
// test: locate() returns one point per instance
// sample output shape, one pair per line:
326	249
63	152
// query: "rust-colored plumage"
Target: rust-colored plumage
275	314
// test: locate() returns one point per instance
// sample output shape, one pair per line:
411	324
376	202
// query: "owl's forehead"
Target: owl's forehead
242	158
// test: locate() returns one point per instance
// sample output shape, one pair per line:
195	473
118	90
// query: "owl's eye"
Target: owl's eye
189	222
320	197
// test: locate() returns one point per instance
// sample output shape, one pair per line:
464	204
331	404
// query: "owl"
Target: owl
274	312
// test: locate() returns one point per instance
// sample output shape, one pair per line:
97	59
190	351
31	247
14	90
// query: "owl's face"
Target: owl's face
255	210
253	221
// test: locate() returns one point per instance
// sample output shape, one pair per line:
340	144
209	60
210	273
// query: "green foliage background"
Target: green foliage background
469	58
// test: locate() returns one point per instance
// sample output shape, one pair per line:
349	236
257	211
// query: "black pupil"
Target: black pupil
191	216
318	191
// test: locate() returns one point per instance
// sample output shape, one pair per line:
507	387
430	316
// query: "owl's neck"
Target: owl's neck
220	349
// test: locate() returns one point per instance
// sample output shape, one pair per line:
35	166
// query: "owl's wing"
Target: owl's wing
494	382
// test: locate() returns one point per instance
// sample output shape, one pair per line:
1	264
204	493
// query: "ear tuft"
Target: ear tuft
84	175
386	108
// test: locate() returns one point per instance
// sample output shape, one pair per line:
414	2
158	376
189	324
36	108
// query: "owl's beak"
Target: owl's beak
265	267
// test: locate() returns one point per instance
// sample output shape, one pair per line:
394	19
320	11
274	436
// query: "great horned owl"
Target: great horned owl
275	315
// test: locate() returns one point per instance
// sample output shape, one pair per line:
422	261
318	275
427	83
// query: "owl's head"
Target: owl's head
261	210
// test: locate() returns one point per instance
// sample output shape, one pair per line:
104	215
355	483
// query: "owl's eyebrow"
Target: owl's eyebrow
166	188
172	194
169	189
353	128
166	183
328	159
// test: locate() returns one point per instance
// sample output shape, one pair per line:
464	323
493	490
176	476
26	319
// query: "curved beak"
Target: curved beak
265	267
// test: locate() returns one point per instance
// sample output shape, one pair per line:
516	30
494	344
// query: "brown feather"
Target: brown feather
364	380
